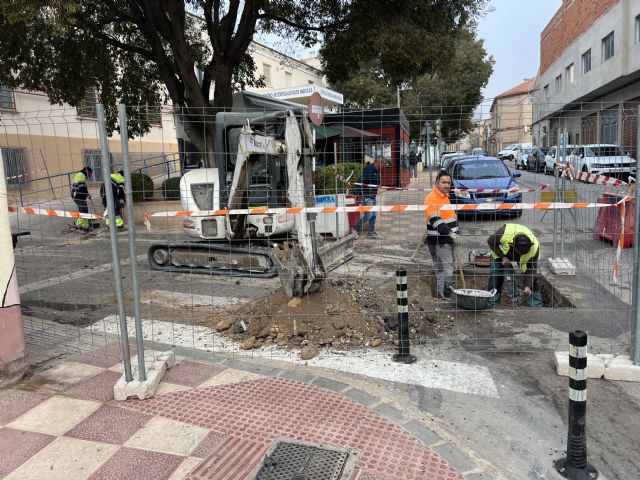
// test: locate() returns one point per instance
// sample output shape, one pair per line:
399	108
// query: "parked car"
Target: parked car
445	152
511	151
602	158
535	160
522	157
483	173
478	151
554	155
446	159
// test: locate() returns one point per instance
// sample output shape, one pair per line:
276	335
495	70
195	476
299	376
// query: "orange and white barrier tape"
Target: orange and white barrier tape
383	208
24	174
53	213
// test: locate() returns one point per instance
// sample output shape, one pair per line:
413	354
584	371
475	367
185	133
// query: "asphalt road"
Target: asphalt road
521	431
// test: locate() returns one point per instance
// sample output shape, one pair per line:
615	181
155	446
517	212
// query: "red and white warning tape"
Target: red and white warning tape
594	178
53	213
24	174
383	208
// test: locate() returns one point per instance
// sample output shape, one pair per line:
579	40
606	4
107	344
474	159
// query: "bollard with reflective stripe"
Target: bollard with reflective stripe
575	465
404	347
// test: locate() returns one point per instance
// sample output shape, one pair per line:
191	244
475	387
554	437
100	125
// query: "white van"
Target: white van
554	155
602	158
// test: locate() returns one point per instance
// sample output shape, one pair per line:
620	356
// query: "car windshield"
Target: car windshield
510	147
528	151
479	170
605	151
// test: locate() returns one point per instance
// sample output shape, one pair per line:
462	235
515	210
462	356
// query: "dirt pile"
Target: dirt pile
341	313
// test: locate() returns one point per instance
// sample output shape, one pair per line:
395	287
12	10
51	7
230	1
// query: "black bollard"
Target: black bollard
575	465
404	347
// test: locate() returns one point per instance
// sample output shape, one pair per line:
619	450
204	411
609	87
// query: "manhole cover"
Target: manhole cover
295	461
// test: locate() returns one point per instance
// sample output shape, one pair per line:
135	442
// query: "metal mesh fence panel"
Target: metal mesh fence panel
213	286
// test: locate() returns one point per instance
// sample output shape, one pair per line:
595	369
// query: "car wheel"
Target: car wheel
511	157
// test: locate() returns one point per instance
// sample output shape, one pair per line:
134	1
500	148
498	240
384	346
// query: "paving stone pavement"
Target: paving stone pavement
207	421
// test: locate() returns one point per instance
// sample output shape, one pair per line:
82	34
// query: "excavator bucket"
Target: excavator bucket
293	269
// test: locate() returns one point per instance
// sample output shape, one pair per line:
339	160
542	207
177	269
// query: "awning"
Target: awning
344	131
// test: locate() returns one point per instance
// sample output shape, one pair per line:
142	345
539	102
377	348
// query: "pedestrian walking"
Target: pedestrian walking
514	243
367	194
413	163
80	194
117	187
442	234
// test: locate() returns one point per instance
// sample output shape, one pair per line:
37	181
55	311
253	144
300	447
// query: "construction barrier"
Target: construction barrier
53	213
25	174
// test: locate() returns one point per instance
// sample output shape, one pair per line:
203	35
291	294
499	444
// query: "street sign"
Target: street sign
315	109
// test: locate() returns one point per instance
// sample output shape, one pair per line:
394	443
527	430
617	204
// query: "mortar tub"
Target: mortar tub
471	299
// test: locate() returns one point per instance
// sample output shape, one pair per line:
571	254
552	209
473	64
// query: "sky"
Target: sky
512	35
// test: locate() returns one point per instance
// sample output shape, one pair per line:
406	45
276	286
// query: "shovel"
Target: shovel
455	252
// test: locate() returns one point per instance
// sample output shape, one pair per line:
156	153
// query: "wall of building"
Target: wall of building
620	19
572	19
509	117
284	71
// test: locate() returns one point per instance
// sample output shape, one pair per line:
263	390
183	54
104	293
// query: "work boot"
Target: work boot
447	291
374	235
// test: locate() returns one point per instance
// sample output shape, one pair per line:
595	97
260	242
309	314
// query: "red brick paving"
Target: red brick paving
17	446
262	410
135	464
98	388
209	444
234	459
14	403
110	425
191	373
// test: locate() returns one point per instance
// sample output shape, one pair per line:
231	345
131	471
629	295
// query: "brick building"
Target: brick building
589	77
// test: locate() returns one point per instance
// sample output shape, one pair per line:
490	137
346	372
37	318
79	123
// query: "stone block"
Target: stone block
595	365
621	367
136	388
562	266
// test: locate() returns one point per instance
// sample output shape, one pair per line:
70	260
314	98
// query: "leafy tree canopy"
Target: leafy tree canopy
147	52
449	94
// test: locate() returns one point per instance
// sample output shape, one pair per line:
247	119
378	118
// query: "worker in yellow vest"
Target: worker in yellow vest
80	195
117	187
514	243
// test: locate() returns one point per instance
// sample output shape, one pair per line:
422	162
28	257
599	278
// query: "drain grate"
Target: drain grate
295	461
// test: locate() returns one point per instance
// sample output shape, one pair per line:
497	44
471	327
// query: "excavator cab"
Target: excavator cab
267	163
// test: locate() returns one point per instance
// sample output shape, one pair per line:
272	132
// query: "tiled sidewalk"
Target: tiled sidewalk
207	421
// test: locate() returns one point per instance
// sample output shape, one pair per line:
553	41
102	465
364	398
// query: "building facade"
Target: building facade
511	116
589	80
42	145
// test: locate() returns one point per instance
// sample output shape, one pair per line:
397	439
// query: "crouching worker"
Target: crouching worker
515	243
117	187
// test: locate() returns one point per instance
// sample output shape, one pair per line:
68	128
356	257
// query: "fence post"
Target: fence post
634	346
124	146
117	274
575	465
404	347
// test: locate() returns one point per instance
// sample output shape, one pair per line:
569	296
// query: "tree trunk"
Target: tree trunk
223	89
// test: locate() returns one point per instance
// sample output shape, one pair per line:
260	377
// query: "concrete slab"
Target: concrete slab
562	266
56	415
168	436
621	367
167	298
595	365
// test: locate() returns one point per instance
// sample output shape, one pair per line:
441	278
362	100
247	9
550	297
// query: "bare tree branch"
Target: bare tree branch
310	28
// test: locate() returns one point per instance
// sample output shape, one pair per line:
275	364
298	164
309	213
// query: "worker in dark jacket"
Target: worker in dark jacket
367	194
515	243
80	195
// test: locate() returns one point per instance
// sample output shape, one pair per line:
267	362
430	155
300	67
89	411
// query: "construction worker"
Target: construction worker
442	234
514	243
80	195
117	187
